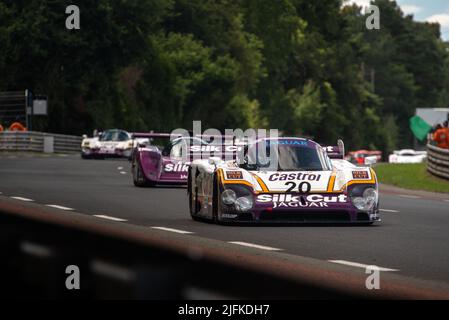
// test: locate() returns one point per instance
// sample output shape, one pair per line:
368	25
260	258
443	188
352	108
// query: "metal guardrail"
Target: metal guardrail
36	141
36	246
438	161
123	261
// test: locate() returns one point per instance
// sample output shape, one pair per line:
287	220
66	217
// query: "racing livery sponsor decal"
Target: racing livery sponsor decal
283	181
301	201
294	176
234	175
360	175
209	148
107	147
295	142
177	167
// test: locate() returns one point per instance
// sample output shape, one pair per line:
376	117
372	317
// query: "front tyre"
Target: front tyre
215	200
193	196
139	178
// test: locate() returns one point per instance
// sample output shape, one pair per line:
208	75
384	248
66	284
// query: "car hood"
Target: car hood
281	181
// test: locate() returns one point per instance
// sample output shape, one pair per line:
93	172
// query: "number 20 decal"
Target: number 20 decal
303	187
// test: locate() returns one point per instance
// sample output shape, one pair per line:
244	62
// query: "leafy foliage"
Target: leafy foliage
304	67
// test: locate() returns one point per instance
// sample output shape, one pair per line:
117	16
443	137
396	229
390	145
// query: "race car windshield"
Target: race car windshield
176	147
114	135
284	157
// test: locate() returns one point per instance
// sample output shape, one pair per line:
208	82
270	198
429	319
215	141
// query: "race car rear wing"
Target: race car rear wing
150	135
221	146
336	152
207	137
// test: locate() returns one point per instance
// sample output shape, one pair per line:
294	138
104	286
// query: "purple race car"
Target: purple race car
297	181
161	160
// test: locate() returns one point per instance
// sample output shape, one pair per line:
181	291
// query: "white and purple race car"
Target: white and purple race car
300	181
164	159
114	143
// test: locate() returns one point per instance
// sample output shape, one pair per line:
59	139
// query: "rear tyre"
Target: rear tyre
194	205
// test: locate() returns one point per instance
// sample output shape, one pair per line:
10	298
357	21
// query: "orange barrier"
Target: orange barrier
17	126
1	128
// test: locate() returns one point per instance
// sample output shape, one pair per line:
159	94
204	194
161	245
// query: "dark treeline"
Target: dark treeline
304	67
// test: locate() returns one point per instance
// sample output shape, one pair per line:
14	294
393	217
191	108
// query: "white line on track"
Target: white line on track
122	172
22	199
59	207
388	210
409	196
172	230
257	246
360	265
113	271
35	249
120	168
109	218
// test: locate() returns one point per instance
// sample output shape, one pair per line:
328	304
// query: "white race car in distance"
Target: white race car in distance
407	156
112	143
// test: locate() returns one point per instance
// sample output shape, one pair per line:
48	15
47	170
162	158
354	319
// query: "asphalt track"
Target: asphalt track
412	239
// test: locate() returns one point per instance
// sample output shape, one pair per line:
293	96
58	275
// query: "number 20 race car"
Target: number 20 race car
301	182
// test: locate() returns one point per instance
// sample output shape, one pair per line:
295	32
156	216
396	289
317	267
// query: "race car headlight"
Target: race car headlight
228	197
244	203
367	201
370	196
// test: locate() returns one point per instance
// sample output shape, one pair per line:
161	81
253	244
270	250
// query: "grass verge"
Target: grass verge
410	176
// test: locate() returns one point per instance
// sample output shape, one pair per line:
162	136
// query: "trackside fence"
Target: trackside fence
36	249
39	142
438	161
123	261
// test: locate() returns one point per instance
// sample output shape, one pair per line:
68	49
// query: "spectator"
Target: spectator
17	126
441	136
1	128
435	128
431	133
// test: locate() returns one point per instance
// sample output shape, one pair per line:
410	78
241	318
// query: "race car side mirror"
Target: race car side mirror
341	146
84	136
